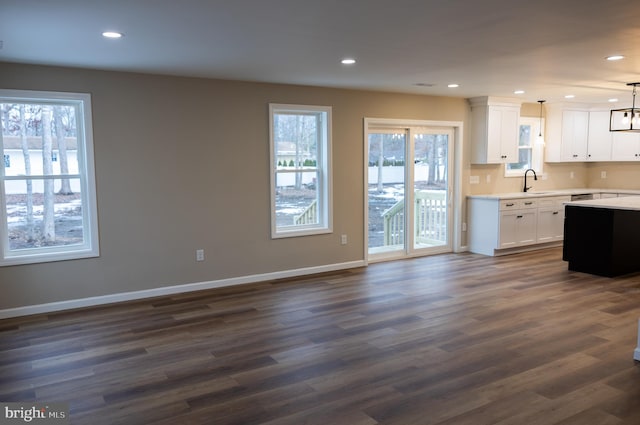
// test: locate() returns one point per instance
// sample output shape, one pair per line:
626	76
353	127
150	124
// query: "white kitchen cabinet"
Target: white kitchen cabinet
494	130
599	138
625	146
551	219
567	134
499	226
517	227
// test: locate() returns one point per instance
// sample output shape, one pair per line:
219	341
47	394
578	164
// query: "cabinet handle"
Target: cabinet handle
528	203
509	205
575	156
518	216
555	212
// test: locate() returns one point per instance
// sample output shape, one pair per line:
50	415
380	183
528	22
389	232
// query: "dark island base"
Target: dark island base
602	241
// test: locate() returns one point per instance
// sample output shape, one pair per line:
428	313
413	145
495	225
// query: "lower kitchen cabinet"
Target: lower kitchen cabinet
517	227
502	226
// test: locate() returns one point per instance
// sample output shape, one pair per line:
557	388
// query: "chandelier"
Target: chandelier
626	119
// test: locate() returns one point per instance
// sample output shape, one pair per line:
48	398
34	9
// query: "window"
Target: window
300	170
529	152
47	209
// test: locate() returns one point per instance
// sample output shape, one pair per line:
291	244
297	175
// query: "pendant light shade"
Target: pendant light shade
626	119
540	138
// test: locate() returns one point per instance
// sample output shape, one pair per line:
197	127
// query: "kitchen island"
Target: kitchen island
602	236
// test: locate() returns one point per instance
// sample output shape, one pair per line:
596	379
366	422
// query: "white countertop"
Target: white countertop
623	203
545	193
536	194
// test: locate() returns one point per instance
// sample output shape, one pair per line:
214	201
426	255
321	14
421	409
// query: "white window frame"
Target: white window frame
86	175
323	168
537	149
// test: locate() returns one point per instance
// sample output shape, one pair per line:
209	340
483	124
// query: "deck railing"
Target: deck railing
430	219
309	215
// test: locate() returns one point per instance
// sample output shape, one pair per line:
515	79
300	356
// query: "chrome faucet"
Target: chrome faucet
525	178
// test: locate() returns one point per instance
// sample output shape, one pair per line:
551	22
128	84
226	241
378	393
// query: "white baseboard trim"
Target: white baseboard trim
171	290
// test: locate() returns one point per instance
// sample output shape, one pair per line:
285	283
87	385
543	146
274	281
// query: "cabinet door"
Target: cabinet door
502	134
599	137
625	146
509	134
527	226
575	128
550	224
494	135
508	228
518	227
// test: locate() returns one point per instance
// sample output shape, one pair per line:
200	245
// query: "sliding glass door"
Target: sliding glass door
408	190
386	190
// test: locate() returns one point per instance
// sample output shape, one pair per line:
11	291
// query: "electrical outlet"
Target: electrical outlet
464	226
603	174
474	179
572	175
488	178
343	239
199	254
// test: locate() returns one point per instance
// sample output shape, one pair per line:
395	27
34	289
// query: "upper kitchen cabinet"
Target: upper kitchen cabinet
567	132
599	138
625	146
494	130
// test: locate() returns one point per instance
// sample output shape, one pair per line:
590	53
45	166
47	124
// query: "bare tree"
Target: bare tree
432	160
380	162
297	136
65	188
443	155
24	142
48	225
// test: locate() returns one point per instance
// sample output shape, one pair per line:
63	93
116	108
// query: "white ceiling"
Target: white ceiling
549	48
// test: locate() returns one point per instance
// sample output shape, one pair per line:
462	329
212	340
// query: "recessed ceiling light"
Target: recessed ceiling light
518	92
112	34
615	57
348	61
613	99
570	96
453	85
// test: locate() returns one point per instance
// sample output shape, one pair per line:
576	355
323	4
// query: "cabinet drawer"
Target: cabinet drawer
556	201
517	204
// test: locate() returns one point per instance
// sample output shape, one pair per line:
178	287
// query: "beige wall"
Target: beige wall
159	200
619	175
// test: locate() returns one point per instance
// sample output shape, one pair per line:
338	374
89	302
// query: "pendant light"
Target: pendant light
540	138
626	119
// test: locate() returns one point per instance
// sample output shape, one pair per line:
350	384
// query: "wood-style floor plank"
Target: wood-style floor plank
454	339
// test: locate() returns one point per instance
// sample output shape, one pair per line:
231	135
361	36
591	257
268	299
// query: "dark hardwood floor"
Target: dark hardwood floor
449	339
